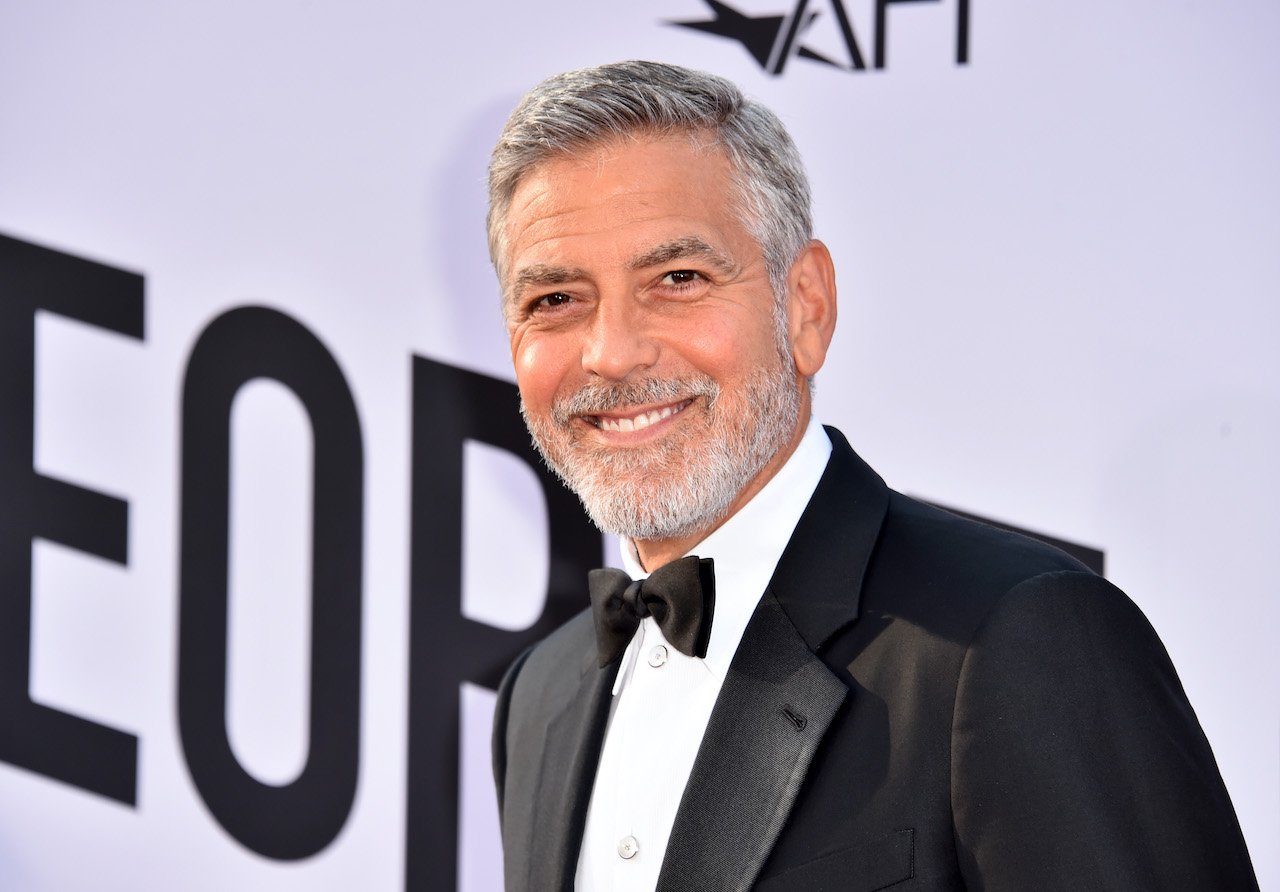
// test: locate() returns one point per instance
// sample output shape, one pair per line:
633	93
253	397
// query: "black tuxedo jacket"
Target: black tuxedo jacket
918	702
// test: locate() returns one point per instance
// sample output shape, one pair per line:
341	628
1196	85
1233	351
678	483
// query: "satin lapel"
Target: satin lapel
569	760
818	579
779	697
774	708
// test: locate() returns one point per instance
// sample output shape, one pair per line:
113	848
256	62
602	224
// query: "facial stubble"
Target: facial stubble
686	480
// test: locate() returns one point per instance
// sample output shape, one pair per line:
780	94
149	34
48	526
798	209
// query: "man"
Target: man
887	695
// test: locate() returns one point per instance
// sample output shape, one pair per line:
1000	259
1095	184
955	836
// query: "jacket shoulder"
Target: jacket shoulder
970	550
947	571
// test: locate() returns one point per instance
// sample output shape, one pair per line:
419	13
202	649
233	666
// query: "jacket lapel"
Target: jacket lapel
778	697
568	773
773	710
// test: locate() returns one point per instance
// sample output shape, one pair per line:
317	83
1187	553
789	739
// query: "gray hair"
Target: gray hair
577	109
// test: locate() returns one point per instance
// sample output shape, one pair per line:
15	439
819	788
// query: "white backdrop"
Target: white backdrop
1059	268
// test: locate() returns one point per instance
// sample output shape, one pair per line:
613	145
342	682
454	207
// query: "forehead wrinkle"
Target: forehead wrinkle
679	249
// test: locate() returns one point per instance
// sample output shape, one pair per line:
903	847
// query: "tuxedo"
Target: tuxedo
918	702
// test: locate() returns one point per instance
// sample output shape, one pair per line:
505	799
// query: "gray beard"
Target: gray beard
679	485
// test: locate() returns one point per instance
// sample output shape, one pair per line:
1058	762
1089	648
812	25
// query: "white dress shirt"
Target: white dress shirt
662	699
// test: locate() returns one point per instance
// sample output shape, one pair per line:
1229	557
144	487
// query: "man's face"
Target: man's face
654	373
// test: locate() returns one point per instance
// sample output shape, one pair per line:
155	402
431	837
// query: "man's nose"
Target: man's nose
619	341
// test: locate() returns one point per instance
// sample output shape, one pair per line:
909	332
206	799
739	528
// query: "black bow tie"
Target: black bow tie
680	596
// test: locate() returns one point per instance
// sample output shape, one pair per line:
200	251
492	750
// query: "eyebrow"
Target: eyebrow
543	275
681	248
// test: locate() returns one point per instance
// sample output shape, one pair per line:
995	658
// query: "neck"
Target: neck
653	553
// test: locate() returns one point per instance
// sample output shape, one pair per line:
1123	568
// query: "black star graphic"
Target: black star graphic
759	34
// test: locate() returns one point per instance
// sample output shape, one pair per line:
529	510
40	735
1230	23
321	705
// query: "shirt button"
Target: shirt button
628	847
657	656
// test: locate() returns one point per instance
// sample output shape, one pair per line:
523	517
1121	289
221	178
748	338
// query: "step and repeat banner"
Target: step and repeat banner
270	526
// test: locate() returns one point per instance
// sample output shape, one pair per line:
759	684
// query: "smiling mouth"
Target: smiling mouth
639	421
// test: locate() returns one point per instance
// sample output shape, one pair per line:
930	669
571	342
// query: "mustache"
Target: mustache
598	397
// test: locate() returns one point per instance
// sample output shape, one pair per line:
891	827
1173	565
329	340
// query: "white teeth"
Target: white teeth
638	422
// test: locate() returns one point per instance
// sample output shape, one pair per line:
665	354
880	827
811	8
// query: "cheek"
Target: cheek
541	365
727	352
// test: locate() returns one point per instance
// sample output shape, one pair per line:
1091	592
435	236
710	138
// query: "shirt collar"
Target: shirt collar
746	547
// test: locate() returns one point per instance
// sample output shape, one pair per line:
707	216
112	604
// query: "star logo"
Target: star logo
774	39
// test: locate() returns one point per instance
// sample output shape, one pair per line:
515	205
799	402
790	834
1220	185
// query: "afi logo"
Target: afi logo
773	39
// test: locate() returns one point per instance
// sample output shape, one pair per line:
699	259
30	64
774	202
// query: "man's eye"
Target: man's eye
680	277
551	301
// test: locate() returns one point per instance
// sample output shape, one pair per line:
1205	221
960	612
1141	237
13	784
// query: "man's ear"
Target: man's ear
811	307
